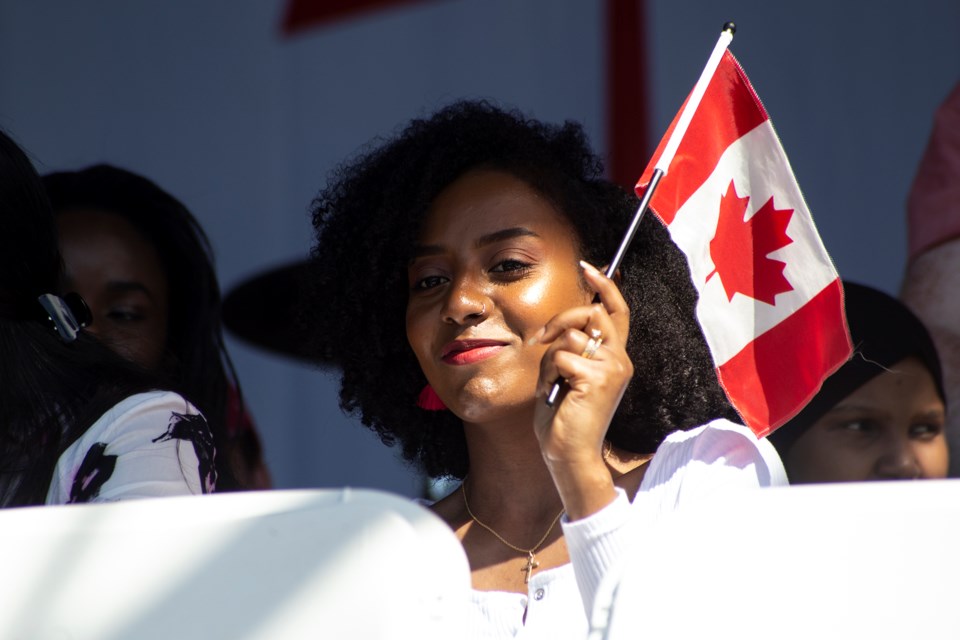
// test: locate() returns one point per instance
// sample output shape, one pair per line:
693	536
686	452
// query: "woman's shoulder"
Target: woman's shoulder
156	398
717	437
134	450
141	415
714	454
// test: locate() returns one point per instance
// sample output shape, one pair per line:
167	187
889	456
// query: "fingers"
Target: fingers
606	288
578	356
610	314
588	346
593	343
585	341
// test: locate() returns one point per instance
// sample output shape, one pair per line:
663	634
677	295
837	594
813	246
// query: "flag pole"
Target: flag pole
696	96
663	164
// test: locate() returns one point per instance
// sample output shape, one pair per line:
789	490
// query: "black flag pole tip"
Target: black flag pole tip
729	26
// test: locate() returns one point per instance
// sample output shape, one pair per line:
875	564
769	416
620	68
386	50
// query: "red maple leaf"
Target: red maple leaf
739	248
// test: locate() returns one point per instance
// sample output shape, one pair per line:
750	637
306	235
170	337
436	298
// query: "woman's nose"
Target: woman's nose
465	304
899	462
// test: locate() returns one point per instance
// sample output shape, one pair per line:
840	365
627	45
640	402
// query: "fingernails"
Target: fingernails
535	338
589	267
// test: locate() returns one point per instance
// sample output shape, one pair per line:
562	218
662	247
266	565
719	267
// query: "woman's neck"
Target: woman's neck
508	476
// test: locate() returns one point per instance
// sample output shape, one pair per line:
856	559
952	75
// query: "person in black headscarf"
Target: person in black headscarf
879	417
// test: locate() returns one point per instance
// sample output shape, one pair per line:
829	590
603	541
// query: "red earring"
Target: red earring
429	400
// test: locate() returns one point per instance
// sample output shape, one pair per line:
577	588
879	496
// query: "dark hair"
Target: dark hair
884	331
196	361
50	391
368	219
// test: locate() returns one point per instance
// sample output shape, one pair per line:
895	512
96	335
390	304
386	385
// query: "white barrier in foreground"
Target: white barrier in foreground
255	566
867	560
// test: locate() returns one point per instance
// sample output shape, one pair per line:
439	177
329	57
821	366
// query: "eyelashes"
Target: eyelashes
512	266
428	282
509	270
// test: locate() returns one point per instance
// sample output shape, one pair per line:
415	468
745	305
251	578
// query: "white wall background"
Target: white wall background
211	101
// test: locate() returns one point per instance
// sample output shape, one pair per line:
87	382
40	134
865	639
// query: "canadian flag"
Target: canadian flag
771	302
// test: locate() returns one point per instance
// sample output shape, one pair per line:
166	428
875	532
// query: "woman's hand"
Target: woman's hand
571	433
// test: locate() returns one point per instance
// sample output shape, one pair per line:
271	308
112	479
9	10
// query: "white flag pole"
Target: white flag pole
663	164
660	169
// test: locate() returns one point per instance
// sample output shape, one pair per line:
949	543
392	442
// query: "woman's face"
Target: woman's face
494	262
891	428
119	274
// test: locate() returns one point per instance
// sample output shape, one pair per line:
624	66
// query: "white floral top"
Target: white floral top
149	445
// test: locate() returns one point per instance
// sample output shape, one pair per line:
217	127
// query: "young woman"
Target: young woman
882	415
77	423
456	278
143	264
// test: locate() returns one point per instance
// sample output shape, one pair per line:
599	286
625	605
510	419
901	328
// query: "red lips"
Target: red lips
460	352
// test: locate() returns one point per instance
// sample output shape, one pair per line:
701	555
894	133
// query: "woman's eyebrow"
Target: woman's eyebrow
126	286
930	414
856	407
505	234
422	250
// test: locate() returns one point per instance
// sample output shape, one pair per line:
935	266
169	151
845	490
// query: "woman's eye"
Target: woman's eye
428	282
509	266
125	315
925	431
859	426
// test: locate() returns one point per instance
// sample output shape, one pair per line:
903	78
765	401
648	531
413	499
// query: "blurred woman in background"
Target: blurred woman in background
77	423
143	264
882	415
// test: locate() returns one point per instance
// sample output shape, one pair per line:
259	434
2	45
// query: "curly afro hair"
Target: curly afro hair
368	219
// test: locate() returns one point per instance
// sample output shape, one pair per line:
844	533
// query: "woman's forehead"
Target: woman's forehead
487	201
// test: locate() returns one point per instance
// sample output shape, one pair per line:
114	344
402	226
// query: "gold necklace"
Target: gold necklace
531	552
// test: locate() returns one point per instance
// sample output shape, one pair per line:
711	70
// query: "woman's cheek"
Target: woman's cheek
535	293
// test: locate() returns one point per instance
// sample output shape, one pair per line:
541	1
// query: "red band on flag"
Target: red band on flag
736	111
759	365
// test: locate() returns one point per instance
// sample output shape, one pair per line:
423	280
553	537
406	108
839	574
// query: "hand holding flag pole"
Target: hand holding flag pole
662	166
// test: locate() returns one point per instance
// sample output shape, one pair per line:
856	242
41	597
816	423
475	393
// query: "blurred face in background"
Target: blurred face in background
891	428
121	277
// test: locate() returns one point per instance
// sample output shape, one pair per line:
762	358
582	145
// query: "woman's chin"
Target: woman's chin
490	408
486	399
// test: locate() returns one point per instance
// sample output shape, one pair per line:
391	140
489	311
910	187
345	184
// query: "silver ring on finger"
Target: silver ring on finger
596	339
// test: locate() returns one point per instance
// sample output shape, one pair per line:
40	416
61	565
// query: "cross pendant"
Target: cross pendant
529	567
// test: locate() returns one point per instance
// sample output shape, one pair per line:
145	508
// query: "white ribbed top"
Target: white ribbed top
690	466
